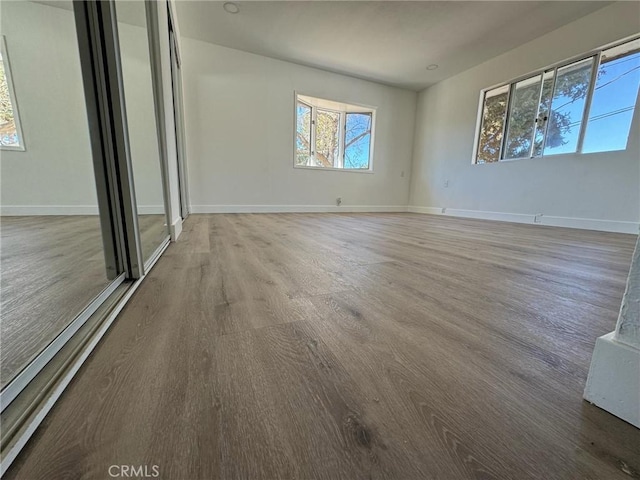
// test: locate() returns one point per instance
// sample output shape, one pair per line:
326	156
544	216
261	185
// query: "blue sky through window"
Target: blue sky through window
573	108
613	103
357	140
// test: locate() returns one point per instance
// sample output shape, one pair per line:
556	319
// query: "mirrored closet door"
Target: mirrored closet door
83	193
137	76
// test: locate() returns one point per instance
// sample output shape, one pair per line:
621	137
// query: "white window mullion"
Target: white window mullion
339	162
546	125
537	119
505	124
313	136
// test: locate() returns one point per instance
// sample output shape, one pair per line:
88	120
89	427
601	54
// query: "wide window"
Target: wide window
10	133
333	135
584	106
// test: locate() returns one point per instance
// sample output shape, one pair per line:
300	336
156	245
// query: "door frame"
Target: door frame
178	114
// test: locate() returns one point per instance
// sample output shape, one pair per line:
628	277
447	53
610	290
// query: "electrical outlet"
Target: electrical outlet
339	201
444	209
446	184
537	218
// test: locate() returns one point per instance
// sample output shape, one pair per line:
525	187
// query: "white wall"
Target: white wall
239	110
55	173
56	168
604	187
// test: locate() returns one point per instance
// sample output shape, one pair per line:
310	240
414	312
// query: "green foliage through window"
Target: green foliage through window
332	134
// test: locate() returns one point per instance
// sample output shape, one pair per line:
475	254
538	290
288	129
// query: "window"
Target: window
333	135
582	106
567	107
614	98
493	116
10	133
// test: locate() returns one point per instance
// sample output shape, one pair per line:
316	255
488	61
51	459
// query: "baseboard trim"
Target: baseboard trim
175	229
540	219
45	210
613	383
33	210
296	208
151	209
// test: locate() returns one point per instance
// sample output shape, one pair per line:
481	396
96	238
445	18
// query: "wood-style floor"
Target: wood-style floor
352	346
51	268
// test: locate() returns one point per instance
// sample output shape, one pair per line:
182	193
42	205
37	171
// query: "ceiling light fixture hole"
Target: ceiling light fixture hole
433	66
231	7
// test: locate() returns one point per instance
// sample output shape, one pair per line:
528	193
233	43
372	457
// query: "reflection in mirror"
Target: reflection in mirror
141	119
52	255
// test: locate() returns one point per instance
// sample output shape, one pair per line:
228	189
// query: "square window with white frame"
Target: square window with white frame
333	135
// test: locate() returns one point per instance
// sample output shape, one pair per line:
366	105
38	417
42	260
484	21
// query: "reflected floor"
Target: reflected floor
153	231
52	267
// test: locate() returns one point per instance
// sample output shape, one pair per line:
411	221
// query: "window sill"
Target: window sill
9	148
552	155
333	169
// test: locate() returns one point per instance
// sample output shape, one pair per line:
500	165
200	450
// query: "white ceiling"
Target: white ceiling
389	42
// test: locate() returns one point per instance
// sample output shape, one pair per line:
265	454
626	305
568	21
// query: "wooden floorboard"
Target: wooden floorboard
398	346
51	268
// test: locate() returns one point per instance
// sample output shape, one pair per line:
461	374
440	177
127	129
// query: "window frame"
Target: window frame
14	101
312	132
366	109
594	54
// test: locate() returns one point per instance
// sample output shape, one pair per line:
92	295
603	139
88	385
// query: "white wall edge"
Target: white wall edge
614	381
552	221
296	208
28	210
176	229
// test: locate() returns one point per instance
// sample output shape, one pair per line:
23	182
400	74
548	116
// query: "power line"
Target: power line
618	77
603	115
597	88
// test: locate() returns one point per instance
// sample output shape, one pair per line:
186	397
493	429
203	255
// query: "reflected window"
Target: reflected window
10	132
